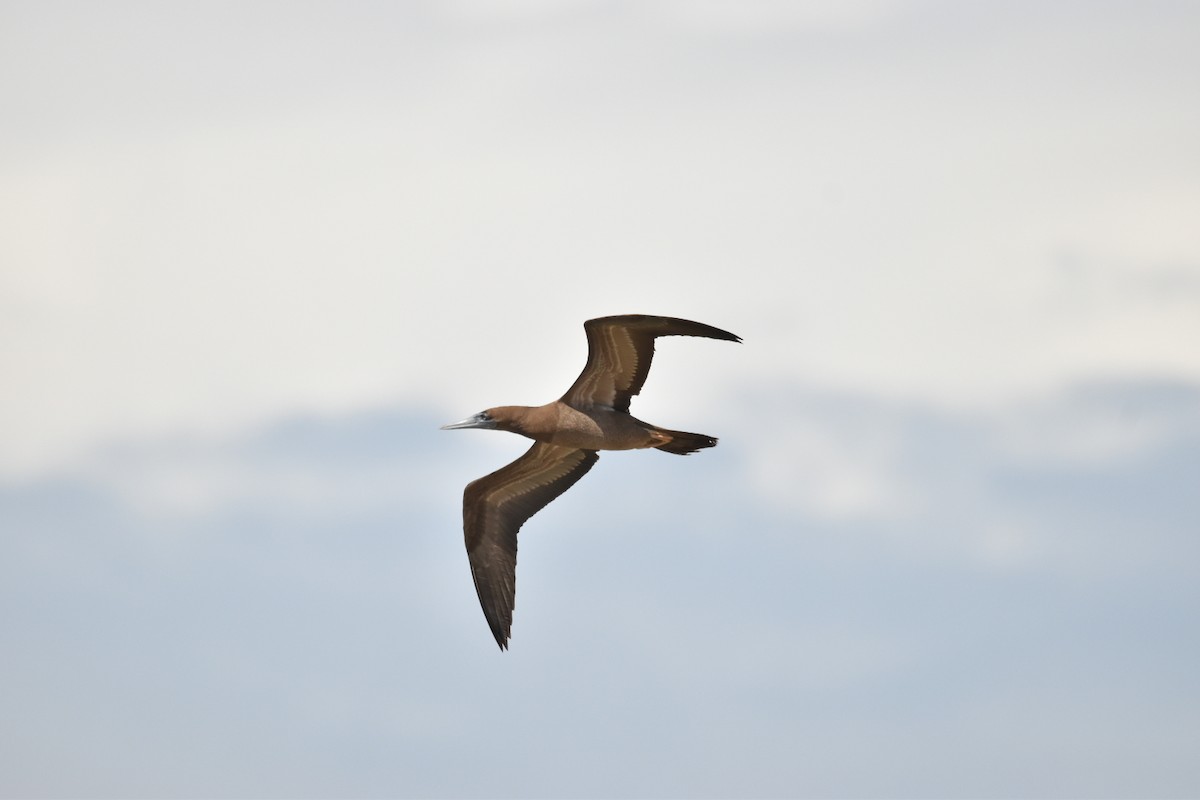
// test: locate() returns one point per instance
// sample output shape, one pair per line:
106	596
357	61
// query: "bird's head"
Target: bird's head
500	418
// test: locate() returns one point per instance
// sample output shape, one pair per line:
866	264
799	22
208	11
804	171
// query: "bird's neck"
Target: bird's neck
518	419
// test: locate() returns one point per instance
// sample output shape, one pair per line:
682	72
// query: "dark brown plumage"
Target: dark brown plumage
593	415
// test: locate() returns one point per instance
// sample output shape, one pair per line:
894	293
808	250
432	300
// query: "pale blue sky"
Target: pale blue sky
254	254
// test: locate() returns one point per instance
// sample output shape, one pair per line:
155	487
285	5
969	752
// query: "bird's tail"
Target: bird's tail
682	443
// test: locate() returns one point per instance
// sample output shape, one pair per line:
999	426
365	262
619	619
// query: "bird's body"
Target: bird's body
589	428
593	415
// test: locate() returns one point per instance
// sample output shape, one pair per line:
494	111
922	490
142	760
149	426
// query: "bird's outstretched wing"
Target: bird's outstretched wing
619	353
495	507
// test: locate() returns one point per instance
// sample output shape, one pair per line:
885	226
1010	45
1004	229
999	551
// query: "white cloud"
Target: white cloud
722	17
882	217
1096	426
832	468
1053	482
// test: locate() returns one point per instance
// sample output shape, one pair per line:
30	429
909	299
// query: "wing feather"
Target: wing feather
620	350
494	509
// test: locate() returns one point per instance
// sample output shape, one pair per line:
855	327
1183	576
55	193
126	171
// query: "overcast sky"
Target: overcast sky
252	254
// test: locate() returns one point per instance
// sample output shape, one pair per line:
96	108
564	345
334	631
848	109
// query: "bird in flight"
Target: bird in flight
568	433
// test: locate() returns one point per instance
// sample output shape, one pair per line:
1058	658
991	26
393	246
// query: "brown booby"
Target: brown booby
593	415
